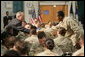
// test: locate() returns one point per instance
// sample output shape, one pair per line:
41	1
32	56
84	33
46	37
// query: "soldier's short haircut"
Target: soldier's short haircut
62	31
9	42
33	31
22	47
61	13
41	34
49	43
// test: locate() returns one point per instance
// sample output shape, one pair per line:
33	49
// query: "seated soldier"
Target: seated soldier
35	49
48	47
80	52
21	47
33	39
60	35
9	42
64	43
42	38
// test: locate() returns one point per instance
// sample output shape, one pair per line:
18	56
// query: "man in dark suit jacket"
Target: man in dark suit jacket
6	19
15	25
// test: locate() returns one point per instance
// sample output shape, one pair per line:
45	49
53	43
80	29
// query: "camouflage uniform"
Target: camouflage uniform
72	28
33	40
22	36
35	49
57	50
49	35
47	52
3	49
64	43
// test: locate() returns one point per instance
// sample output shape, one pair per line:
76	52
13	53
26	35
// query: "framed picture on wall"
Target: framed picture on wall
46	12
29	5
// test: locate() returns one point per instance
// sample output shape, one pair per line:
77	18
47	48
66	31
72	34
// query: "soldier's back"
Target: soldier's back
32	39
47	53
67	46
35	49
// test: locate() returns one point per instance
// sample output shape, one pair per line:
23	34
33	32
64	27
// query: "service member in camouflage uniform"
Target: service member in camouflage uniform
71	26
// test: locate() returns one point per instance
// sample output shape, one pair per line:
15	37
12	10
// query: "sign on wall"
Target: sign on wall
46	12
